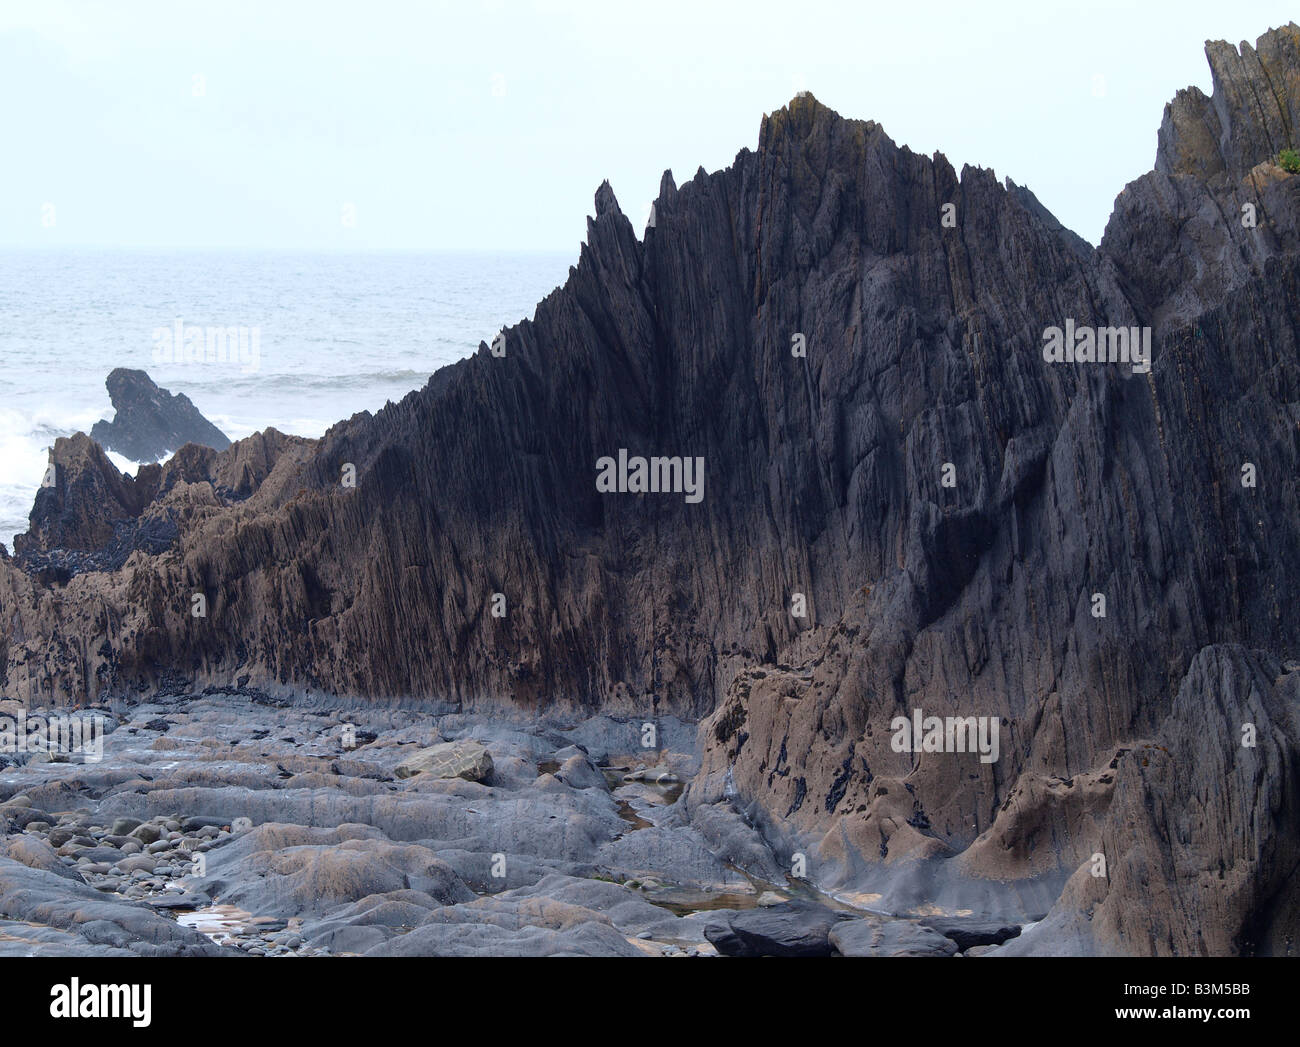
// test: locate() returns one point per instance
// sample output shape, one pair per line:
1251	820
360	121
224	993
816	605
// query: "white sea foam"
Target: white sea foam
22	464
25	441
124	464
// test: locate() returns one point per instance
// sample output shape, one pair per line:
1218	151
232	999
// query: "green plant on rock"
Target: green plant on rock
1289	160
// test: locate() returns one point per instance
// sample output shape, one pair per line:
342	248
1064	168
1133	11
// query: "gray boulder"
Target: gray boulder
464	759
792	929
877	936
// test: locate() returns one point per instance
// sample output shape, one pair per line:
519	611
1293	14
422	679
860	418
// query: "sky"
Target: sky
488	125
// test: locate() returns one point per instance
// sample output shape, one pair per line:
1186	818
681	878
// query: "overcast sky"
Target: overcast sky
489	125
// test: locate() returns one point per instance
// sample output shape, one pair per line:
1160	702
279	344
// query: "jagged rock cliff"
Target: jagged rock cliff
860	366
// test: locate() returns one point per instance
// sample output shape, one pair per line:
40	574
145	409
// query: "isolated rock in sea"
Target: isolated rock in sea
906	510
150	422
468	760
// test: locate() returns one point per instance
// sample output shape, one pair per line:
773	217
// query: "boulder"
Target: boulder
146	833
880	936
970	932
791	929
35	853
465	759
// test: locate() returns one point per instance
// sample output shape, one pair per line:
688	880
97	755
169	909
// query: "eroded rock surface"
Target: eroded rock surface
229	822
946	504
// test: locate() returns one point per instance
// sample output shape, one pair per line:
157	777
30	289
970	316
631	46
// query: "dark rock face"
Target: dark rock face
88	498
970	933
948	505
93	517
789	929
151	422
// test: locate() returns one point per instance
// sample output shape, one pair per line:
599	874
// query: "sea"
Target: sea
321	336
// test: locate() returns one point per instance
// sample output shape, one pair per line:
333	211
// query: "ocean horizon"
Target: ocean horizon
336	332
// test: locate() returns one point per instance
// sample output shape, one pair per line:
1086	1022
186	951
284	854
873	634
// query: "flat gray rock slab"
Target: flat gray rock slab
880	936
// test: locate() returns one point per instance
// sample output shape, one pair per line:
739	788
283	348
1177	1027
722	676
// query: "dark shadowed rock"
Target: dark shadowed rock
789	929
969	932
88	504
151	422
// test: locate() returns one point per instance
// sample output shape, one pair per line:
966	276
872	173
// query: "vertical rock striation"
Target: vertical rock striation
947	504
